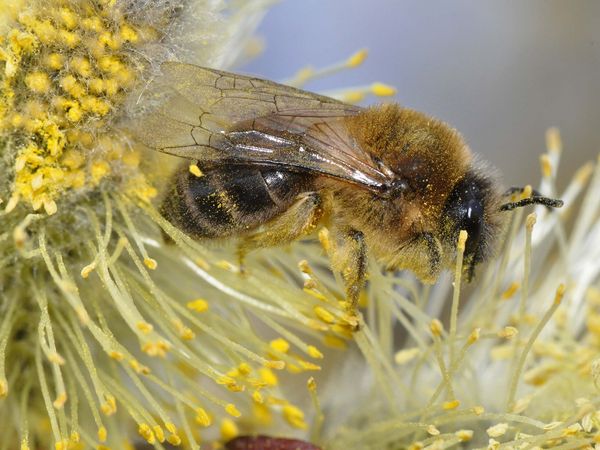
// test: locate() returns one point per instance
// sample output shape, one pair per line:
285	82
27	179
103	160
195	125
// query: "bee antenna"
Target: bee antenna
533	200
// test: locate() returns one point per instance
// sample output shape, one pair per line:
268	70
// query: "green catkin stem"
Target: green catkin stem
370	355
315	435
182	418
456	293
24	413
46	396
5	331
510	401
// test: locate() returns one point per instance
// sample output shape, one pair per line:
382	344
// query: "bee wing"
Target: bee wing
220	117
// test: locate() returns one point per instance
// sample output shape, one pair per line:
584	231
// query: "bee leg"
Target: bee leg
298	220
349	258
435	255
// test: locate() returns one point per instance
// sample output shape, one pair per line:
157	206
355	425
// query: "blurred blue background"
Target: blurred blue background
501	72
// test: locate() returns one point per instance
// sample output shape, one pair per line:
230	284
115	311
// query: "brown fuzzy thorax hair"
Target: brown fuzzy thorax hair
426	152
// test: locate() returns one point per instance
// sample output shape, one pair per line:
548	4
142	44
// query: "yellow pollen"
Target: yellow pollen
38	82
144	327
257	397
174	440
171	428
60	401
195	170
280	345
229	429
109	407
232	410
436	327
511	290
560	292
244	369
358	58
68	18
508	332
277	365
382	90
354	96
268	376
464	435
146	432
462	239
198	305
314	352
497	430
150	263
453	404
82	66
335	342
159	433
294	416
202	418
474	336
324	315
128	34
158	348
102	434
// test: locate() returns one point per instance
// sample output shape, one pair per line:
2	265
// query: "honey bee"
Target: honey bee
272	162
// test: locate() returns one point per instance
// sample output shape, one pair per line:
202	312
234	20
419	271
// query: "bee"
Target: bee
272	162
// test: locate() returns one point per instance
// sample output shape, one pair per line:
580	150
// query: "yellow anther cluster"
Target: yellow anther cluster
61	77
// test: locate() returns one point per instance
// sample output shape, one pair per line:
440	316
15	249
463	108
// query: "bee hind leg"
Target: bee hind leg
298	220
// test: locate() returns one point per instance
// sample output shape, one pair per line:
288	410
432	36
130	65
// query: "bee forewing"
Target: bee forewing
216	116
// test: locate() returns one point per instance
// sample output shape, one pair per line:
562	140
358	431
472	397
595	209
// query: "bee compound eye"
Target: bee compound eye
466	211
472	223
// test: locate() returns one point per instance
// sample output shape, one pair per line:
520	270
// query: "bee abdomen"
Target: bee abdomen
229	200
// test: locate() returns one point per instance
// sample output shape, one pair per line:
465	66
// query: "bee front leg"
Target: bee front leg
349	258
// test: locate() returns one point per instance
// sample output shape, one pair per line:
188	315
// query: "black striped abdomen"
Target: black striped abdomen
230	200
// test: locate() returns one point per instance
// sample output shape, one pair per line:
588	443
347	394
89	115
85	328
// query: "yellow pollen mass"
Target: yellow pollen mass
232	410
294	416
199	305
54	61
382	90
280	345
202	418
38	82
229	430
358	58
102	434
195	170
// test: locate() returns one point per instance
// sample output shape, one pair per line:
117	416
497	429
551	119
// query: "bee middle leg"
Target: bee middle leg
298	220
349	258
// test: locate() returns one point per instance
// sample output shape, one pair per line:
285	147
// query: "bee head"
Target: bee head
472	206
